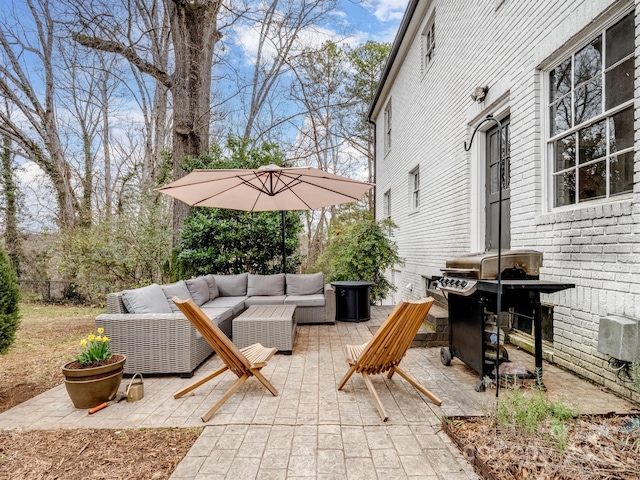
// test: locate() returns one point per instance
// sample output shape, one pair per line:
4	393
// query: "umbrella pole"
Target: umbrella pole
284	264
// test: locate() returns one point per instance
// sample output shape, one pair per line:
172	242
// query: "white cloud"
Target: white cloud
388	10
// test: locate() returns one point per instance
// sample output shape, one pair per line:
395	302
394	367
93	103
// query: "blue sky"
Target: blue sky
379	19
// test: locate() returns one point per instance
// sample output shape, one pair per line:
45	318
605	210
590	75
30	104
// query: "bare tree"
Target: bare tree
35	130
194	34
281	26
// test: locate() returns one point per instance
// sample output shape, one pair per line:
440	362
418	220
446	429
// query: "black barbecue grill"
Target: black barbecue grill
471	283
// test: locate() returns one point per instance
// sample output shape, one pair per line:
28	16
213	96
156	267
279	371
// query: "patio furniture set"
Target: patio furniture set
145	325
382	354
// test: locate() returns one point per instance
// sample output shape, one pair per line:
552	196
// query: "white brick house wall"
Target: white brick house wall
506	45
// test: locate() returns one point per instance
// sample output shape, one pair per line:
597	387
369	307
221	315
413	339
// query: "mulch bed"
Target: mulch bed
598	447
105	454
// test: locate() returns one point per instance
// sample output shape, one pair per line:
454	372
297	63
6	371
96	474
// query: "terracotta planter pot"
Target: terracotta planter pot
89	387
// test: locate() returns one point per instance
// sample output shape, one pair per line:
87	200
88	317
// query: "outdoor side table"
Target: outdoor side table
270	325
352	301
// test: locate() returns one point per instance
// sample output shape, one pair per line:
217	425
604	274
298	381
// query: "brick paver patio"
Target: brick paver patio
311	430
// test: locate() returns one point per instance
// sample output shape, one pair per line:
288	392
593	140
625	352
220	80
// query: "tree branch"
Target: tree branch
128	53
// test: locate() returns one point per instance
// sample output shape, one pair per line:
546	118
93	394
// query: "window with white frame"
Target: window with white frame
386	199
428	42
387	127
591	129
414	188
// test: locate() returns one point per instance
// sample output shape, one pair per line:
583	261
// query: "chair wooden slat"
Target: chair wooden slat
384	352
243	363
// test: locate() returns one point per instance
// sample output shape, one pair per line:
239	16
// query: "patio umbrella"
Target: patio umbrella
267	188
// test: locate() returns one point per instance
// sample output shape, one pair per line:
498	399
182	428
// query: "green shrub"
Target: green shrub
529	412
361	250
9	297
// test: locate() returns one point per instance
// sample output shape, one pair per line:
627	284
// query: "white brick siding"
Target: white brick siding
595	246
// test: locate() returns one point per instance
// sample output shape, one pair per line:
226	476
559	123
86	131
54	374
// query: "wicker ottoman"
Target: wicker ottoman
270	325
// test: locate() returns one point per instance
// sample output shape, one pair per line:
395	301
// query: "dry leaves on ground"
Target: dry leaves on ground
94	454
595	449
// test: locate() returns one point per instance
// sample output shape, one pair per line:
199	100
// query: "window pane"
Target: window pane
565	150
592	181
621	173
588	62
494	177
565	188
588	101
592	141
560	80
619	83
621	130
620	41
560	115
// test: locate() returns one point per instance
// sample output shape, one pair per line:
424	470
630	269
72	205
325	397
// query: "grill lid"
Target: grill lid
485	265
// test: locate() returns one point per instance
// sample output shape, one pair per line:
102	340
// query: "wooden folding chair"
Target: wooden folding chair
387	348
244	363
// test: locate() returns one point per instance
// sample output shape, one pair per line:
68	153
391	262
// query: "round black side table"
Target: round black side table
352	301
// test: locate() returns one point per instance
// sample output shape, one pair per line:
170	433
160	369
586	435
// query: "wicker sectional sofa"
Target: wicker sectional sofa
148	328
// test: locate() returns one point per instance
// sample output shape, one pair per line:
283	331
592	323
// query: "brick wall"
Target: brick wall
594	246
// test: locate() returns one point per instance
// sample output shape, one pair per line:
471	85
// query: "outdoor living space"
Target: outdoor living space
312	430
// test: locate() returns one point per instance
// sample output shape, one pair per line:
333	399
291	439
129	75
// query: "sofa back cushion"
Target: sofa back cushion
199	290
265	285
149	299
232	285
213	286
305	284
178	289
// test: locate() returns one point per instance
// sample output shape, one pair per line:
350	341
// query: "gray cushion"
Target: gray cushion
199	290
264	300
178	289
305	284
316	300
265	284
232	285
217	315
235	303
149	299
213	287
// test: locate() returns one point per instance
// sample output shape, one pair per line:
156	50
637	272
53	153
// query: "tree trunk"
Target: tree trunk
10	189
195	33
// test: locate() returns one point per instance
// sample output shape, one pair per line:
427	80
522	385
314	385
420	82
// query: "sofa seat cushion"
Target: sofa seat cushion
178	289
218	314
232	285
199	290
236	304
149	299
305	284
316	300
262	285
264	300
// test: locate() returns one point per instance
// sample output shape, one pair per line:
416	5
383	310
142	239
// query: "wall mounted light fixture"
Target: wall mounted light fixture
479	94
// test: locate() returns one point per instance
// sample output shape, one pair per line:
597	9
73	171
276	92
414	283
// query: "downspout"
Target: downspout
375	170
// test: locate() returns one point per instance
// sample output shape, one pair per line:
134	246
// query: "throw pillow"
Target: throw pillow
199	290
149	299
178	289
213	287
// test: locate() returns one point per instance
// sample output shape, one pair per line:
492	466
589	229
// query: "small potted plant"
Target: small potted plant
95	375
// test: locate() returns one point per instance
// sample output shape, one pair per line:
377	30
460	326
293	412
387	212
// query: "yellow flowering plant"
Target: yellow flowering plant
94	349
